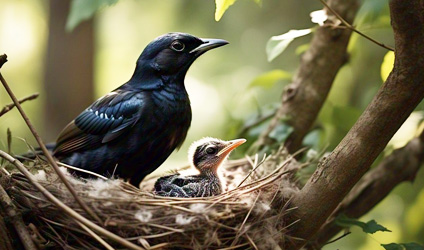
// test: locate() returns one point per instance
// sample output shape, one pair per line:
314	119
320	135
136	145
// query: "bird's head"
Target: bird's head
208	154
173	53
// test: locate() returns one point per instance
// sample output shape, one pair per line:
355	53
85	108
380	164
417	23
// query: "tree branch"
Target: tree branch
10	106
402	165
349	26
394	102
302	100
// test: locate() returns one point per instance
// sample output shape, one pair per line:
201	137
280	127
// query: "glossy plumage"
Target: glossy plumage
206	155
132	130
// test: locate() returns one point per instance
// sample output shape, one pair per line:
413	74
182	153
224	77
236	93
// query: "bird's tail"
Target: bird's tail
31	155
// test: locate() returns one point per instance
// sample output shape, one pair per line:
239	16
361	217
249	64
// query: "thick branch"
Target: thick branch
393	103
303	99
402	165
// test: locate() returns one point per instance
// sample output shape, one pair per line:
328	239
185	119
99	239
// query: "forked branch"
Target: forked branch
394	102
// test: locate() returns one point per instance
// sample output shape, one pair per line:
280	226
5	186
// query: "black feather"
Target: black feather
147	117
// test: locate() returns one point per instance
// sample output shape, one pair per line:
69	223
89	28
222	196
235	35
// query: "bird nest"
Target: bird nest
248	215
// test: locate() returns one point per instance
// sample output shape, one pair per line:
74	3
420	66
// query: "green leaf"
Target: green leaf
84	9
392	246
221	7
387	65
403	246
277	44
370	227
412	246
268	79
281	132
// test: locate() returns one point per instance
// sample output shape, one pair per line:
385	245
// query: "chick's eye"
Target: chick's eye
210	150
177	46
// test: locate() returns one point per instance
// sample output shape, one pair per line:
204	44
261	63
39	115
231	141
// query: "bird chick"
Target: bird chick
132	130
205	155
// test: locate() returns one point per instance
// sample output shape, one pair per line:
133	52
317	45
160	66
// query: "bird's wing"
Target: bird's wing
105	120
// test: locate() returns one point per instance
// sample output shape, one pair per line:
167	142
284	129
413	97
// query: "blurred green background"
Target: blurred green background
219	83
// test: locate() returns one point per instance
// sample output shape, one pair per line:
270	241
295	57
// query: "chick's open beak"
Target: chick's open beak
208	44
230	147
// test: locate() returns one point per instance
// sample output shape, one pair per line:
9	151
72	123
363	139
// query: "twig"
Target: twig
16	219
65	208
82	170
349	26
245	220
3	60
47	153
251	242
95	236
9	107
253	170
338	238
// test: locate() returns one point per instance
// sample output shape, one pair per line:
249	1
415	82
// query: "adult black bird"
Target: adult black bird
206	155
133	129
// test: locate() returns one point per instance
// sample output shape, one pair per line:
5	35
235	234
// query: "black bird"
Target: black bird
132	130
205	155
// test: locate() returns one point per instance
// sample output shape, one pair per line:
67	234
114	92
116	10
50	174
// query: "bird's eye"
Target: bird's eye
211	150
177	46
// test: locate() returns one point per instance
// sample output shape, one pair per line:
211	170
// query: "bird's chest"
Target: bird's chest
171	107
170	117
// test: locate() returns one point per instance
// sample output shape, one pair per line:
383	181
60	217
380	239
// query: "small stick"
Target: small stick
253	170
349	26
245	219
338	238
16	219
72	213
3	60
95	236
47	153
10	106
81	170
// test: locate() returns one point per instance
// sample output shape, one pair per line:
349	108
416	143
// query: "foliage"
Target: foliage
222	6
371	227
82	10
387	65
277	44
268	79
403	246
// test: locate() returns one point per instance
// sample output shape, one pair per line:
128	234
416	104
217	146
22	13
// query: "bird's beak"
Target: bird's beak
208	44
230	147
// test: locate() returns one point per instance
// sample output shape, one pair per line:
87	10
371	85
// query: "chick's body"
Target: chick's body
206	155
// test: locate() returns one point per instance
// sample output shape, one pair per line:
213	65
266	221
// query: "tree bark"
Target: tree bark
402	165
69	70
302	100
394	102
